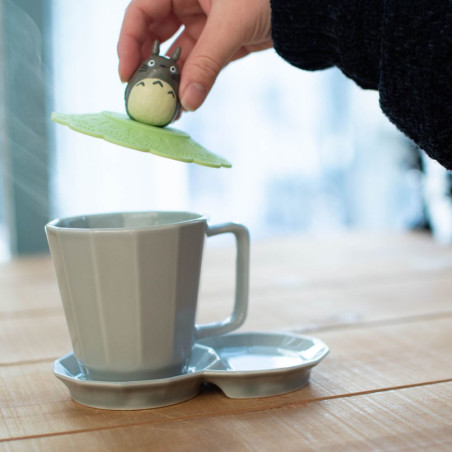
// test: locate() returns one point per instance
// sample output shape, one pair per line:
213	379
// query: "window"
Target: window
300	145
25	141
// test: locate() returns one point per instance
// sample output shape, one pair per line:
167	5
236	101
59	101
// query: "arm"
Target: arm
402	49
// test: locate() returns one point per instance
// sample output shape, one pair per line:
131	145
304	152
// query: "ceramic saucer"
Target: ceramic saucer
242	365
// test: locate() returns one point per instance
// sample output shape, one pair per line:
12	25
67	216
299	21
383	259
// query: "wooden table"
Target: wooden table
382	302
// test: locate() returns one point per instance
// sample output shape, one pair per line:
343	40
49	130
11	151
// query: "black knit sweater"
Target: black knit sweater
402	48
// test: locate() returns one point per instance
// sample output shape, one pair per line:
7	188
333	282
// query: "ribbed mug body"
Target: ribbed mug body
129	286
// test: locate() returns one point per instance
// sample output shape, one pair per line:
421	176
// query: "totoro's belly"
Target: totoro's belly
152	101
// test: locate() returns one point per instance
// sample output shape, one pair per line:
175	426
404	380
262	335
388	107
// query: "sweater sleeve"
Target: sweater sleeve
402	49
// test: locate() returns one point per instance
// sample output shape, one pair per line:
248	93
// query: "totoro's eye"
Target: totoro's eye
173	69
151	63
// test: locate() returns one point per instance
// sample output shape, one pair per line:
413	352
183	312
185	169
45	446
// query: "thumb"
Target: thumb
214	49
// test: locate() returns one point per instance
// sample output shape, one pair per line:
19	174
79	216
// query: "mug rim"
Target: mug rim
58	223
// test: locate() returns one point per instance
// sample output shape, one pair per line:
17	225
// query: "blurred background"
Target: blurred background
311	152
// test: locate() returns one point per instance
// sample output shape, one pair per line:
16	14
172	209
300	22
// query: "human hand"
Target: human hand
215	33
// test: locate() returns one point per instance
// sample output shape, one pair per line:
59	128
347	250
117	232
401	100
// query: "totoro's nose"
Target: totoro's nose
163	65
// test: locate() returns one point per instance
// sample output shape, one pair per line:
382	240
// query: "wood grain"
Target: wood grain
362	360
40	334
380	301
408	419
280	265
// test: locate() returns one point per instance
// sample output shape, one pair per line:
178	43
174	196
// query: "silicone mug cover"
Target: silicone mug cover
119	129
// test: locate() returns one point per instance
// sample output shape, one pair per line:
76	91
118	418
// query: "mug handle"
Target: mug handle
238	316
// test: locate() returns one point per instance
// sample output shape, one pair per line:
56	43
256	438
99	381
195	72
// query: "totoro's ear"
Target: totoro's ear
176	54
156	47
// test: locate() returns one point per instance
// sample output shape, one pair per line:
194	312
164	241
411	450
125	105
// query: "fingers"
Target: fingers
135	37
215	33
212	51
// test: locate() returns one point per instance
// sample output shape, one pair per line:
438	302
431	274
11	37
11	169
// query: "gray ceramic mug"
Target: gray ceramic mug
129	285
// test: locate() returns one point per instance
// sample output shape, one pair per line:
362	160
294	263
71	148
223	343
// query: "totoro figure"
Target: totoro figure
152	94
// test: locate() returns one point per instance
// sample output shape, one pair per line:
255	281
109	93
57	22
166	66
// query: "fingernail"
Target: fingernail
193	96
119	73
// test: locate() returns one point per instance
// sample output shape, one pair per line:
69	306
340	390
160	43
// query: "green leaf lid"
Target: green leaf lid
119	129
